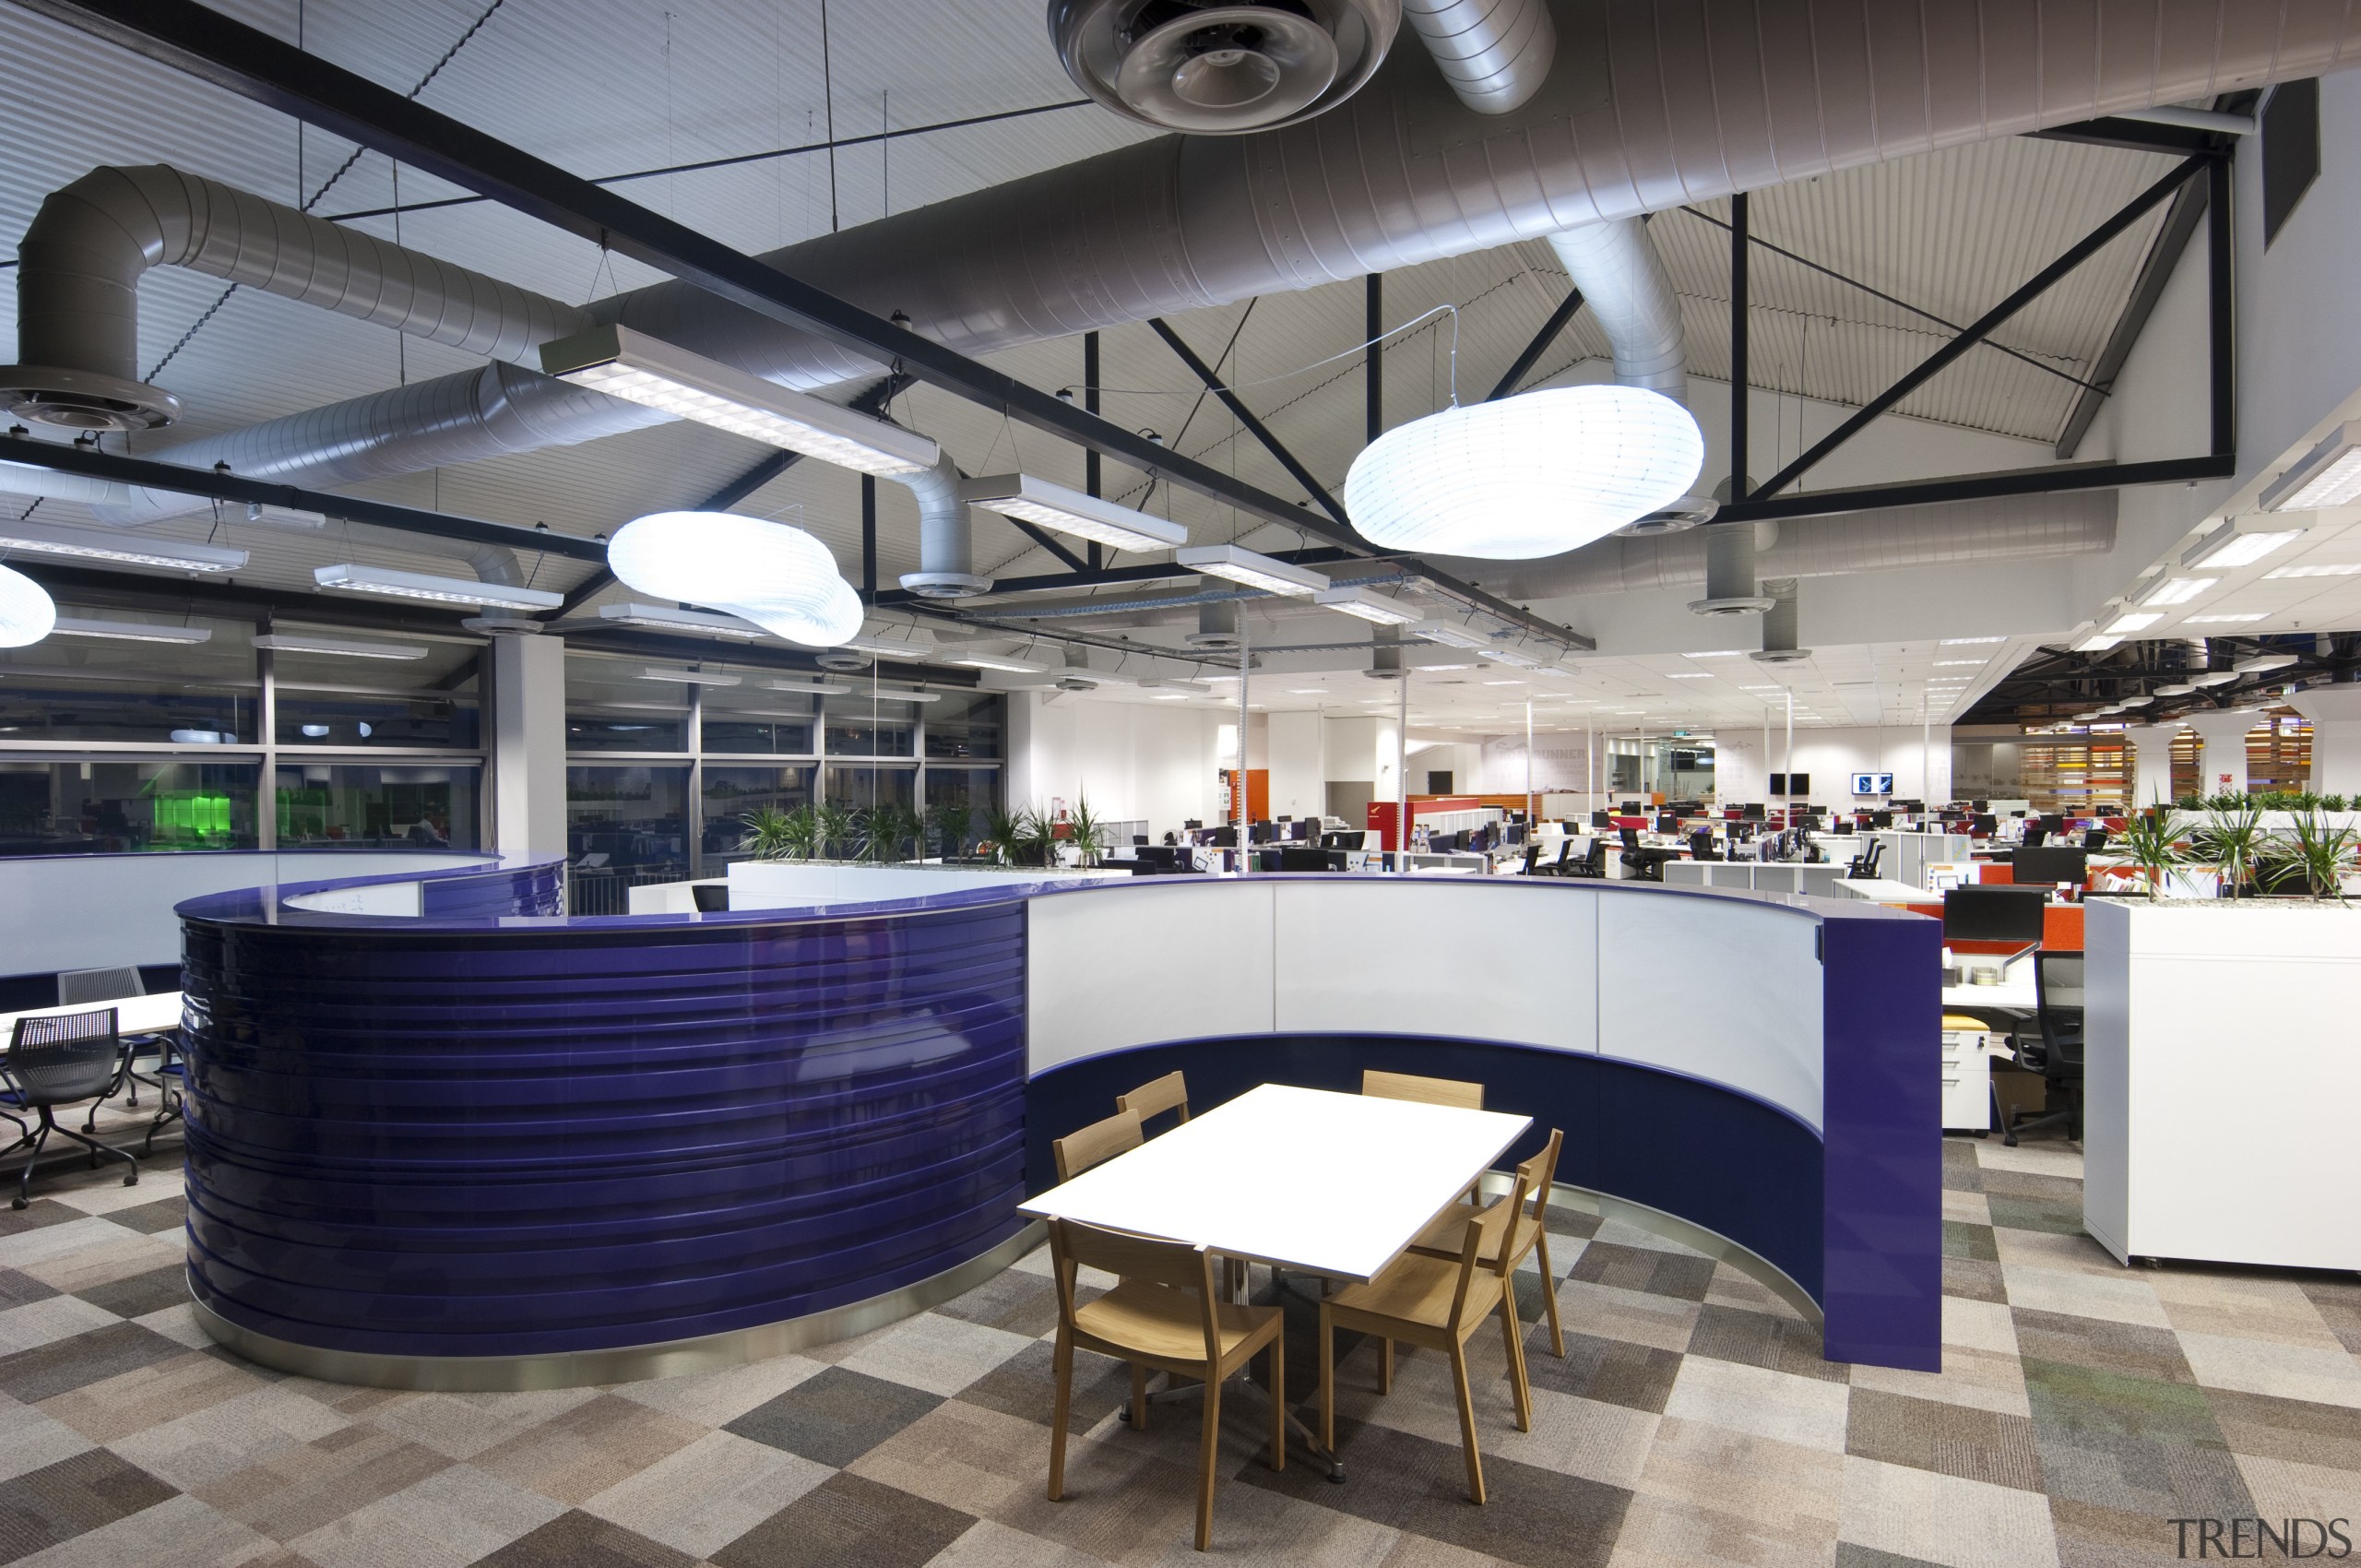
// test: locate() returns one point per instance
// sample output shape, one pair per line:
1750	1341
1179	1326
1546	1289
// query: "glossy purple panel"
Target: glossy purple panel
469	1138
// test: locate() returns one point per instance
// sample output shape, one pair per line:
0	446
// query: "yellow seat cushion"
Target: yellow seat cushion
1158	1321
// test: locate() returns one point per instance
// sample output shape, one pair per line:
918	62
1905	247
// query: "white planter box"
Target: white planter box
2223	1073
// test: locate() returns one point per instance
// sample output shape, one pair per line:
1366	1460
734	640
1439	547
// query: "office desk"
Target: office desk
132	1015
2013	994
1878	890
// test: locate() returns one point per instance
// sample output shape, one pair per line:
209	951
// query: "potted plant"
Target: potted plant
2317	856
1008	829
1089	831
766	834
835	832
2152	842
951	824
2235	843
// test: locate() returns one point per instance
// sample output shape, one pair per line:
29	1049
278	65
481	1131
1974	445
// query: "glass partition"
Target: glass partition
116	806
625	825
365	806
729	794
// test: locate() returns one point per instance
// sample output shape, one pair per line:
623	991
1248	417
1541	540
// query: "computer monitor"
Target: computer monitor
1262	833
2052	821
1993	914
1755	810
2049	863
1292	859
1138	839
1985	824
1514	837
1601	819
1880	819
1668	823
1223	837
1191	823
1351	838
1166	855
1302	829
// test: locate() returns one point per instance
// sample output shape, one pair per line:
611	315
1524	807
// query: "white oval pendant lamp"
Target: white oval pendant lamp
27	612
1536	474
772	574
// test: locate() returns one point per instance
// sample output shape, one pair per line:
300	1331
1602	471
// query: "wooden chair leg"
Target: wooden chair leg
1280	1400
1327	1383
1512	1333
1208	1449
1065	1363
1549	1294
1385	1366
1468	1420
1139	1397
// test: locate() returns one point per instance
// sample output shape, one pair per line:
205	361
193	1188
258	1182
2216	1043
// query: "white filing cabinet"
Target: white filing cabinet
1967	1081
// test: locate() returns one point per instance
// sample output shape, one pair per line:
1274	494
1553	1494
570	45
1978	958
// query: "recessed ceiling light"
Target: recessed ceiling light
1959	663
1689	675
2176	591
688	677
2328	475
1718	653
2223	620
2134	621
2096	643
1970	642
2336	569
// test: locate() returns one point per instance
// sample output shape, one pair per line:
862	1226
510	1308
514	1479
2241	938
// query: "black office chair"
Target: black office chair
1865	865
2094	840
2035	835
1700	845
2058	994
62	1058
1532	861
711	899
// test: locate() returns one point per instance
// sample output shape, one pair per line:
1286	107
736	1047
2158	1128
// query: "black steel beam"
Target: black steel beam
1374	370
1119	577
1047	541
1531	355
220	485
1093	478
1978	487
2172	242
1934	363
1741	300
869	539
255	65
1254	427
2221	342
2137	136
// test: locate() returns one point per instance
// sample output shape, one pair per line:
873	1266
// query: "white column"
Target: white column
2222	768
527	687
2152	754
2335	713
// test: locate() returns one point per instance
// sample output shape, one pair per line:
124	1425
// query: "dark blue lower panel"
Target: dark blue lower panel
452	1143
1716	1159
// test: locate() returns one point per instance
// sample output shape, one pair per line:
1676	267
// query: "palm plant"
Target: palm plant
2152	842
951	826
767	832
1089	831
835	831
1011	830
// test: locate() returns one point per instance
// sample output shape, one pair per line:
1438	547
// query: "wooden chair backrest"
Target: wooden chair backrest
1452	1092
1170	1092
1176	1264
1488	1229
1097	1144
1539	1174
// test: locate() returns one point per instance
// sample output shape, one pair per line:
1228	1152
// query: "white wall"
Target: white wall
1132	761
1831	757
1298	750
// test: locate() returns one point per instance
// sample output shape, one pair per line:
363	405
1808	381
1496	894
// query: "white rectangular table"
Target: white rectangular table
132	1015
1304	1179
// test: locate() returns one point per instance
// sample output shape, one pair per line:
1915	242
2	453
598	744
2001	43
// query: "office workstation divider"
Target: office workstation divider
490	1145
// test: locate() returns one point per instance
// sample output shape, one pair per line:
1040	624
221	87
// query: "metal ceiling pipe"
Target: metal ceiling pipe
1629	293
82	257
2010	528
1495	54
947	537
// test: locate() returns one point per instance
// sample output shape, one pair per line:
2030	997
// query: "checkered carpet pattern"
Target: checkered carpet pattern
2080	1407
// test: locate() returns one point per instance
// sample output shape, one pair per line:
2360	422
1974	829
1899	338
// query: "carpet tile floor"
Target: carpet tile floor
2081	1408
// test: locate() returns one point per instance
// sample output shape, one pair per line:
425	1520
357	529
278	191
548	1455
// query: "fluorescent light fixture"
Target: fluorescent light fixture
2328	569
2231	546
2224	619
2213	677
810	688
2328	475
1508	683
1053	506
2263	663
262	517
1689	675
1014	665
1167	697
339	648
1718	653
1533	475
135	631
1254	571
688	677
914	649
1959	663
2097	642
656	617
1971	642
347	577
1375	608
1449	634
900	693
773	575
2175	590
644	370
2132	621
122	546
1510	656
1307	691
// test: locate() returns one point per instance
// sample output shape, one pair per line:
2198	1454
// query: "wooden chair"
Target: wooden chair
1528	1232
1164	1315
1426	1302
1170	1092
1454	1092
1097	1144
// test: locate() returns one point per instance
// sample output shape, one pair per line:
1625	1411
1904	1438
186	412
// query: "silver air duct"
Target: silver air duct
1729	574
1216	624
1950	533
1214	69
1779	627
81	260
1628	293
1495	54
946	538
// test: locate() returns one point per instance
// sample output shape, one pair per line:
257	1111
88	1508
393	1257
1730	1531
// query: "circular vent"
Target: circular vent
84	399
1221	70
